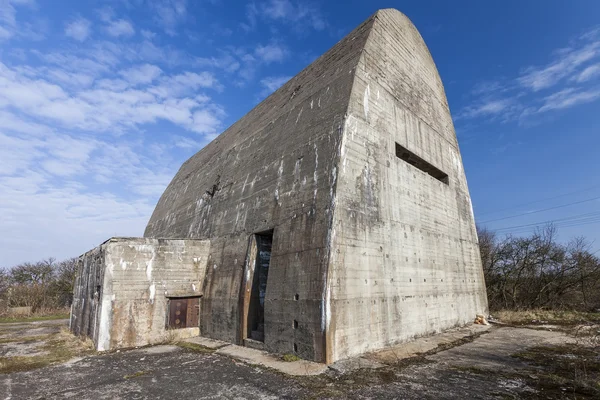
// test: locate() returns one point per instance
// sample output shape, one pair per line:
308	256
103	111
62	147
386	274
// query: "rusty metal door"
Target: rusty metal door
178	313
184	312
193	312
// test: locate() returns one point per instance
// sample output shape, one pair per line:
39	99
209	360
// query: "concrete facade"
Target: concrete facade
123	286
352	173
404	255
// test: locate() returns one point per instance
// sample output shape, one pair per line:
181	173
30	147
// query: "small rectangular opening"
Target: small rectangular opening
416	161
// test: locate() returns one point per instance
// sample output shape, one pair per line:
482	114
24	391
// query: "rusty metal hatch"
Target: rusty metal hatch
184	312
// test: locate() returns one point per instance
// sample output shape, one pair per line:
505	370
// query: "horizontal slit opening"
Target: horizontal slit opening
416	161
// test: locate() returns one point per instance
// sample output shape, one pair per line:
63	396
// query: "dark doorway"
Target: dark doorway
256	309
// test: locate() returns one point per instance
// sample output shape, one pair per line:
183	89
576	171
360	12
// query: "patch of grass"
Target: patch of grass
553	317
33	318
290	358
566	369
136	374
59	347
193	347
23	339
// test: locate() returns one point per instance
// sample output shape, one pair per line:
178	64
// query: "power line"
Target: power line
540	200
558	221
542	210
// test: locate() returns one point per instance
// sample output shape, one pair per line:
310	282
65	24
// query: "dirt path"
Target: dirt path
504	362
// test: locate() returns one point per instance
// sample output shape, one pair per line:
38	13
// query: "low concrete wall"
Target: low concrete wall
129	307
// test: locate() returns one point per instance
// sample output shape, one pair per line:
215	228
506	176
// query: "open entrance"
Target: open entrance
255	288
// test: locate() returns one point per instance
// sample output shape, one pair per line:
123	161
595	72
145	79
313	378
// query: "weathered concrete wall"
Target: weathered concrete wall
273	169
404	260
367	250
132	279
87	291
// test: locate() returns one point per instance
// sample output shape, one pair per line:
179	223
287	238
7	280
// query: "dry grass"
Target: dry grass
567	369
546	317
39	315
23	339
136	374
196	348
57	347
290	358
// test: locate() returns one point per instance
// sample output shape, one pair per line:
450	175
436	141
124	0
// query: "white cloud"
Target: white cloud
148	35
9	26
566	62
251	16
169	13
589	73
301	15
225	61
187	143
568	98
207	120
108	106
488	107
272	83
120	27
142	74
55	194
525	96
271	53
79	29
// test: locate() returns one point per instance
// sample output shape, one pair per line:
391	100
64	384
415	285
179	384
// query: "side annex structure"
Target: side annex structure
332	220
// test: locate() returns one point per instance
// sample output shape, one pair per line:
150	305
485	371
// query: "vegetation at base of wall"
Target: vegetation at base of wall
538	272
194	347
552	317
42	286
290	358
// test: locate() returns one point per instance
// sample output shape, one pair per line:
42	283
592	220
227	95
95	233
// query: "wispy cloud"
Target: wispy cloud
538	89
148	35
302	16
9	26
169	13
591	72
490	107
79	29
91	133
568	98
104	107
271	53
272	83
120	27
142	74
566	62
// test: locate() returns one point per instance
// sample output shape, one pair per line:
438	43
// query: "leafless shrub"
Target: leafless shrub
538	272
43	285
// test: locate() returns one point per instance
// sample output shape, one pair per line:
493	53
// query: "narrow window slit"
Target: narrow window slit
416	161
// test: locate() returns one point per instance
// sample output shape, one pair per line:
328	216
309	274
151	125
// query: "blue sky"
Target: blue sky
102	100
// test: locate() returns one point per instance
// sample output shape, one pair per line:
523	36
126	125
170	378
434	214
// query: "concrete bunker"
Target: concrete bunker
133	291
331	220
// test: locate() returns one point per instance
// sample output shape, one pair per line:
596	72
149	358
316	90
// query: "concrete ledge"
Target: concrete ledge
420	346
253	356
